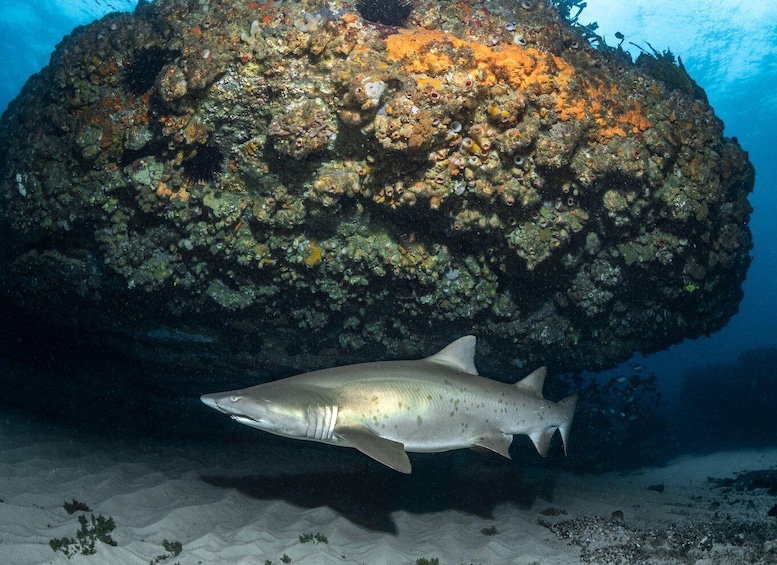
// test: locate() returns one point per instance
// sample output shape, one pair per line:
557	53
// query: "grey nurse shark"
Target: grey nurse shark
388	408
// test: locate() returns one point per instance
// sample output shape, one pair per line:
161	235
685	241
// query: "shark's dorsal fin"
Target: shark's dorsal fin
390	453
459	355
533	382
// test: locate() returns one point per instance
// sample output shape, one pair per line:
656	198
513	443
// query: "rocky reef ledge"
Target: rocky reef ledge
285	185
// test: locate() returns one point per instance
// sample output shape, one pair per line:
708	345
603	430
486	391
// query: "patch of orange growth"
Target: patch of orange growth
350	17
633	121
315	254
163	190
424	82
418	56
253	5
433	54
574	109
610	132
636	119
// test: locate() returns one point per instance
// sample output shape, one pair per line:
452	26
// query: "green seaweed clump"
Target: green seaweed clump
491	531
319	537
565	8
91	531
76	506
173	549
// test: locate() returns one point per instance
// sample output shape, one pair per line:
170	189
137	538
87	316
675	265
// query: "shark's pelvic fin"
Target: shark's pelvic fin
498	443
459	355
533	382
390	453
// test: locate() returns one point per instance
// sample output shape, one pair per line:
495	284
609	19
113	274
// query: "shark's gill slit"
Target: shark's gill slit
321	420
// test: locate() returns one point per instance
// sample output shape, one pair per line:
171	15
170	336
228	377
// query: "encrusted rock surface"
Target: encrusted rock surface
287	185
720	541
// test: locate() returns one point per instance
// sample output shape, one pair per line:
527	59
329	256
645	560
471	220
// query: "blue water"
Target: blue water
728	47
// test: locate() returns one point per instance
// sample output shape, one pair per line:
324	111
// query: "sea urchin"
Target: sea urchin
385	12
205	164
140	74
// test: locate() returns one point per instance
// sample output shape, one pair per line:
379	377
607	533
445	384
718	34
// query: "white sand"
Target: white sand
237	504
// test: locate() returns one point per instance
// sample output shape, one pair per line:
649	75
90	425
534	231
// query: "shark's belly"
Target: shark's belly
423	417
433	433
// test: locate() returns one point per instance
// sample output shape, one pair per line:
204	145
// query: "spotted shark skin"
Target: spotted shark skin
389	408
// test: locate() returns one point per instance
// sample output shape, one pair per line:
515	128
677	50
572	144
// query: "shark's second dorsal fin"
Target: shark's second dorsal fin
533	382
459	355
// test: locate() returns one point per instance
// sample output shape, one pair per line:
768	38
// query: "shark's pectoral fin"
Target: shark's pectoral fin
498	443
390	453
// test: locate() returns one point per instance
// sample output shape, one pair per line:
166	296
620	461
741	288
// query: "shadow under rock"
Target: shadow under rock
367	498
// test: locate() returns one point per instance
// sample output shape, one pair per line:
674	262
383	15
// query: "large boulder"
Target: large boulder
282	186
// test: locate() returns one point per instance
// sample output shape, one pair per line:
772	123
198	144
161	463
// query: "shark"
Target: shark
387	409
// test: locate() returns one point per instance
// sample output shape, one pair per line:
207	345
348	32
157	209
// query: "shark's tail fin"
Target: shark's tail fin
565	411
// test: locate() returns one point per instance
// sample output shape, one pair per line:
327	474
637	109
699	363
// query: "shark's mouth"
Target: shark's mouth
244	420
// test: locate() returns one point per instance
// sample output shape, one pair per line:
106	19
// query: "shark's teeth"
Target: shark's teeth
242	419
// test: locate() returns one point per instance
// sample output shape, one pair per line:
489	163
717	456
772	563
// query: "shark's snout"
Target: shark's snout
220	402
209	400
224	403
230	405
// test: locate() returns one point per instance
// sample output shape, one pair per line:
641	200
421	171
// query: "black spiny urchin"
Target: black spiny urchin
385	12
140	73
205	164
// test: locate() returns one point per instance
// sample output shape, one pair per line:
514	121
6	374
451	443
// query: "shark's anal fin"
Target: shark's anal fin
390	453
497	443
541	439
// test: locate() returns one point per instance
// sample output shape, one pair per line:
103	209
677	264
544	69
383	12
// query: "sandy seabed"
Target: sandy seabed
247	503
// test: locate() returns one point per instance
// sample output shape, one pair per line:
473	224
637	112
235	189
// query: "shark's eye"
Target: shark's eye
235	398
